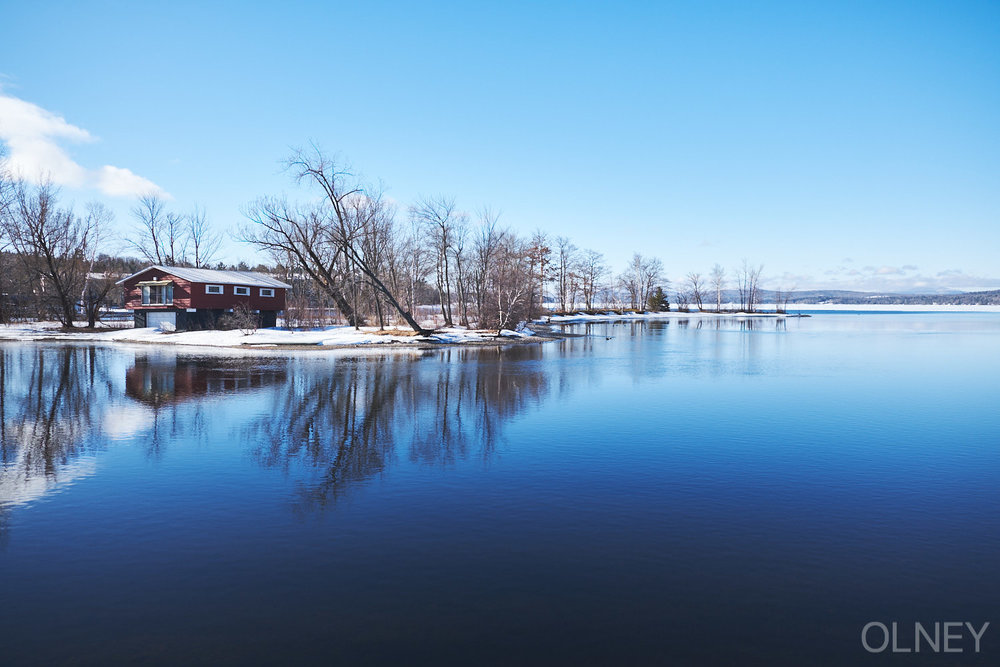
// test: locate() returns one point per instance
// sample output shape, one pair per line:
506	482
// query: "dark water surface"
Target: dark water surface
729	493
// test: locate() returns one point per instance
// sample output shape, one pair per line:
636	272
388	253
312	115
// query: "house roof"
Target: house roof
248	278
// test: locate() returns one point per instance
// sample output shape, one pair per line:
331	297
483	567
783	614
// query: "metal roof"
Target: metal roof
248	278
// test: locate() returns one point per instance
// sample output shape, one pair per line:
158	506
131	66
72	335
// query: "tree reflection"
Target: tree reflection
349	424
50	402
338	424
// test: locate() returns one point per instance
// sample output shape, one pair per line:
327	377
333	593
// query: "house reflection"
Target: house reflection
164	380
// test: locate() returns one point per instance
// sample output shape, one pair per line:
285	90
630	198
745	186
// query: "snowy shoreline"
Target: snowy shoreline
326	338
346	337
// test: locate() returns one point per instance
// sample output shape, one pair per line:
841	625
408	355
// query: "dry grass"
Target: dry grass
395	332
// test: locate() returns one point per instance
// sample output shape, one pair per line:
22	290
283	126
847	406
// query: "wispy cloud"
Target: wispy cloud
35	140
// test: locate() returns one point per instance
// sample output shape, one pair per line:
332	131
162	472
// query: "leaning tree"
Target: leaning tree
338	241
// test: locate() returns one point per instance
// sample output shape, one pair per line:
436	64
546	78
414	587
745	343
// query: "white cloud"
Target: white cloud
120	182
34	136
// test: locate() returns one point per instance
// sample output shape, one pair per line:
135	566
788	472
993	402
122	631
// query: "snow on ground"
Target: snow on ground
325	336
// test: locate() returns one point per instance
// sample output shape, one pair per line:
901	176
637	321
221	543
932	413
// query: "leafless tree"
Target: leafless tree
97	284
718	279
333	242
748	284
565	269
781	296
486	246
460	255
6	189
695	287
683	300
630	281
160	235
54	246
205	242
539	258
511	282
439	215
301	235
6	202
642	275
592	270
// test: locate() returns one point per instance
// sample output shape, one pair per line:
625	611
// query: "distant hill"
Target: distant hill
989	298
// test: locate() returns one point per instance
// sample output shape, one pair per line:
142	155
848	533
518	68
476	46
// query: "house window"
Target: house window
266	291
157	295
241	291
213	289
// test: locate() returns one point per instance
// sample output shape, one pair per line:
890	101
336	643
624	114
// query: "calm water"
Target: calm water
660	493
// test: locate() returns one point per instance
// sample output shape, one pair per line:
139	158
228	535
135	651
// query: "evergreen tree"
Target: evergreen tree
657	301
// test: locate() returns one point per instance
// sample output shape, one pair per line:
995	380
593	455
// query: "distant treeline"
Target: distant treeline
987	298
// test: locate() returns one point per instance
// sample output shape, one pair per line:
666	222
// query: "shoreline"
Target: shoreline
344	337
276	339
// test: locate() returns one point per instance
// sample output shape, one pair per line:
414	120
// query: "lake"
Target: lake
668	492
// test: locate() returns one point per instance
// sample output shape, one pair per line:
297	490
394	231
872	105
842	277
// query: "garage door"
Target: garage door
155	319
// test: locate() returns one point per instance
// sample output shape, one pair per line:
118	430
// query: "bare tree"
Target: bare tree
539	257
748	285
592	272
485	248
781	296
97	284
161	236
683	300
511	283
695	287
631	281
54	246
460	254
333	242
7	189
6	202
650	273
718	279
439	214
565	270
301	235
204	241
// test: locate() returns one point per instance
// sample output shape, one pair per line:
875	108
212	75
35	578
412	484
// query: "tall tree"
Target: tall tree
333	241
592	272
300	234
440	217
695	288
204	241
748	285
718	279
566	257
539	257
55	247
486	246
160	235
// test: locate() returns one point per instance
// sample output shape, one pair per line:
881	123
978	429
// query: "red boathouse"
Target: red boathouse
197	298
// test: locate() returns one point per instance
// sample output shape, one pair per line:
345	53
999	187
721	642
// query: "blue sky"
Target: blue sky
841	144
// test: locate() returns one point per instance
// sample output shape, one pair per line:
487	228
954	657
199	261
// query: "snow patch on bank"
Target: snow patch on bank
325	336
